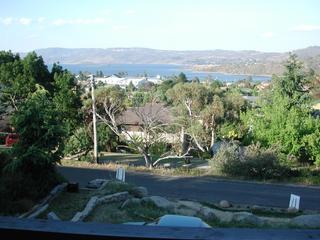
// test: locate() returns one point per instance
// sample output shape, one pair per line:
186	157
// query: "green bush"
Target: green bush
253	162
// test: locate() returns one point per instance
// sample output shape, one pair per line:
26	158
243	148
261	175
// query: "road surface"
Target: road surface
206	188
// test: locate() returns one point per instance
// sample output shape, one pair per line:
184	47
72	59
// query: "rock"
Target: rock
159	202
224	204
116	197
139	192
292	210
130	202
53	216
96	183
247	218
40	210
312	221
79	216
224	216
257	207
208	213
185	211
192	205
275	221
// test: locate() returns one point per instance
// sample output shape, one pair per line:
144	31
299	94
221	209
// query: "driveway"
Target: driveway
206	188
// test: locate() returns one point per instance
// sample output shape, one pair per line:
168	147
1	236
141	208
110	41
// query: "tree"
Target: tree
190	101
293	83
285	119
99	74
36	71
18	78
14	87
182	78
39	146
111	102
66	99
130	88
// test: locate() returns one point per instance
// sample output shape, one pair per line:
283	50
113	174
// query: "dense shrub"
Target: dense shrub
252	162
81	142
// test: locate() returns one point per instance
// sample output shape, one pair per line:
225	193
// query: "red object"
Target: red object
11	139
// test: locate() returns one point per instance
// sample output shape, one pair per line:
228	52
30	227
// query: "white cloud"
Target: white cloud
106	11
118	27
40	19
79	21
25	21
268	34
31	36
129	12
7	21
305	28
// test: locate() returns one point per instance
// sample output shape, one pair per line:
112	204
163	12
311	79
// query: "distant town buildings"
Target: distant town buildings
124	81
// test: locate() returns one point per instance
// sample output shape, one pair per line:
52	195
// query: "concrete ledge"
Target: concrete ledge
15	228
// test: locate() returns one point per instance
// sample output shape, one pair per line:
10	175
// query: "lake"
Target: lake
153	70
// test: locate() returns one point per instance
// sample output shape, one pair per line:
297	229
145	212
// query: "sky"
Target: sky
272	26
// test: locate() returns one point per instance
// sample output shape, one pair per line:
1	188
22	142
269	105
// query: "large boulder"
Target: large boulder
139	192
312	221
160	202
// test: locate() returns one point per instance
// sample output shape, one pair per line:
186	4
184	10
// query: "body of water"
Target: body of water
153	70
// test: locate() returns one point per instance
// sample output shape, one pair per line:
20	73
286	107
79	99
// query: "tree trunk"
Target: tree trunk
183	140
147	160
212	138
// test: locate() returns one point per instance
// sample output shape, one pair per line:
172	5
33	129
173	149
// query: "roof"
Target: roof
154	111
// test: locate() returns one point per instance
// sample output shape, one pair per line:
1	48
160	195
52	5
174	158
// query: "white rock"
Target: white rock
116	197
86	211
160	202
53	216
224	204
247	218
192	205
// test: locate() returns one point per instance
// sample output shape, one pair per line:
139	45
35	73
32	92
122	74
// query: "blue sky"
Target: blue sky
273	25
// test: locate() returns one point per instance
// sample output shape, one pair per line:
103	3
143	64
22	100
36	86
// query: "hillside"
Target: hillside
238	62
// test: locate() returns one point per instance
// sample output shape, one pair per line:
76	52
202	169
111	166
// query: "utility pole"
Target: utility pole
94	121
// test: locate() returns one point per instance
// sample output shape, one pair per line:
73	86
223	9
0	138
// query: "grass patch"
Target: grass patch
279	213
67	204
112	213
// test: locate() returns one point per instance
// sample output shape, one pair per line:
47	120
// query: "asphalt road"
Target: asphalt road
206	188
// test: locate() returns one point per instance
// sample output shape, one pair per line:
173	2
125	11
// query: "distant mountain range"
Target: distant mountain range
237	62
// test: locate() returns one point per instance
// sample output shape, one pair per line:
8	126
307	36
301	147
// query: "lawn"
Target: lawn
137	160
